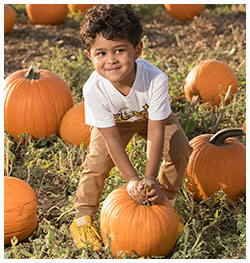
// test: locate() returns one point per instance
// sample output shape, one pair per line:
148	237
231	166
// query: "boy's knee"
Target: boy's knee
98	165
179	147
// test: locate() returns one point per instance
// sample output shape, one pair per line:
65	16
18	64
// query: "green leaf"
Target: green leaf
26	253
190	126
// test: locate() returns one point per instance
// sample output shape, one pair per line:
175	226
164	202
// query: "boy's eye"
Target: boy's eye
102	53
119	50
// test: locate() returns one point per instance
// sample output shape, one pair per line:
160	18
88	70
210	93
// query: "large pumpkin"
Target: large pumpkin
132	227
184	12
35	102
73	128
20	205
9	18
217	162
210	80
47	14
79	8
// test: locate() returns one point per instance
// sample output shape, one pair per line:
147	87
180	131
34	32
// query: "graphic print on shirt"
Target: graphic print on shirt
126	114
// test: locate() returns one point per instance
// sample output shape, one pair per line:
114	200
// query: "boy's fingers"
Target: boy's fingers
156	198
140	187
152	192
153	199
136	196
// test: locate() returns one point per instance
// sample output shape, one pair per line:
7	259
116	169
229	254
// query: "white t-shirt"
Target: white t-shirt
148	98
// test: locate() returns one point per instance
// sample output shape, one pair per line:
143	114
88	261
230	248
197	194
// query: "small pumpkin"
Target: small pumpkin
79	8
9	18
35	100
20	204
136	228
184	12
47	14
73	128
217	162
209	81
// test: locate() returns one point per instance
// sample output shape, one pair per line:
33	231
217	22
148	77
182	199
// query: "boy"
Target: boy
123	96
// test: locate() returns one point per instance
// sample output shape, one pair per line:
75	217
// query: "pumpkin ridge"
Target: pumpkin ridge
38	114
224	165
155	232
31	108
119	211
51	88
19	116
214	156
213	86
161	214
194	87
153	229
196	168
21	205
131	209
134	225
234	150
8	99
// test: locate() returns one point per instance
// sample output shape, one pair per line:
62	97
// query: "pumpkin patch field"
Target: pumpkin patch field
45	145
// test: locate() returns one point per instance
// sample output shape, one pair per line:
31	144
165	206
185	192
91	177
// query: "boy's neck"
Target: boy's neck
124	88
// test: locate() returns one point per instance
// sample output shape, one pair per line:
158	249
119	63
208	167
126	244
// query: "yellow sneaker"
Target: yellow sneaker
84	234
180	219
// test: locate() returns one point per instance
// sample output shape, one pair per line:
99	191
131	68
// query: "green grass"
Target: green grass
214	229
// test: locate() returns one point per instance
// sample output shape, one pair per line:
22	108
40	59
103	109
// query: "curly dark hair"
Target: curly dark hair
111	21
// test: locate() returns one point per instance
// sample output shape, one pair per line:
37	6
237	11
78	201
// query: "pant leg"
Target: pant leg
176	152
97	166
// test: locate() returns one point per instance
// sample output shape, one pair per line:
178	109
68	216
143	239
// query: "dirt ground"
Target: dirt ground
25	43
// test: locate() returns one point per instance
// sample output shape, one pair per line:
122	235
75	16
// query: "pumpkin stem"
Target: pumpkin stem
33	73
220	137
147	186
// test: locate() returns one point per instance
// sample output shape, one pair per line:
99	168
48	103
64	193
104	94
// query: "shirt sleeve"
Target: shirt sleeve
96	113
159	106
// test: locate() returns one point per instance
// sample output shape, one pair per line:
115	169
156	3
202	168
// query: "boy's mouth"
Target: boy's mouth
113	69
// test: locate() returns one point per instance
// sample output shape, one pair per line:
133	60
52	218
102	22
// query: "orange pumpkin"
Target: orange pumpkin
244	126
9	18
210	80
73	128
20	205
79	8
35	102
184	12
217	162
132	227
47	14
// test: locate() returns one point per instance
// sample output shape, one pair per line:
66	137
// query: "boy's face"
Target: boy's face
115	60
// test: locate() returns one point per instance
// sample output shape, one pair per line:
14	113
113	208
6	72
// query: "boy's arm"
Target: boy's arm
120	158
155	141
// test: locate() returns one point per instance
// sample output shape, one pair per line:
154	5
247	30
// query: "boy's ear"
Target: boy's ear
138	50
88	55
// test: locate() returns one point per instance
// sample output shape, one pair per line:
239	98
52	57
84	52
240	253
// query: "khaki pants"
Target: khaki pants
98	163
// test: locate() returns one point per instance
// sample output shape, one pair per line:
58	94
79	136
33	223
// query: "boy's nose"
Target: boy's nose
111	59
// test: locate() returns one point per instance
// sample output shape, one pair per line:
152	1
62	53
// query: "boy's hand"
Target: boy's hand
155	194
135	191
